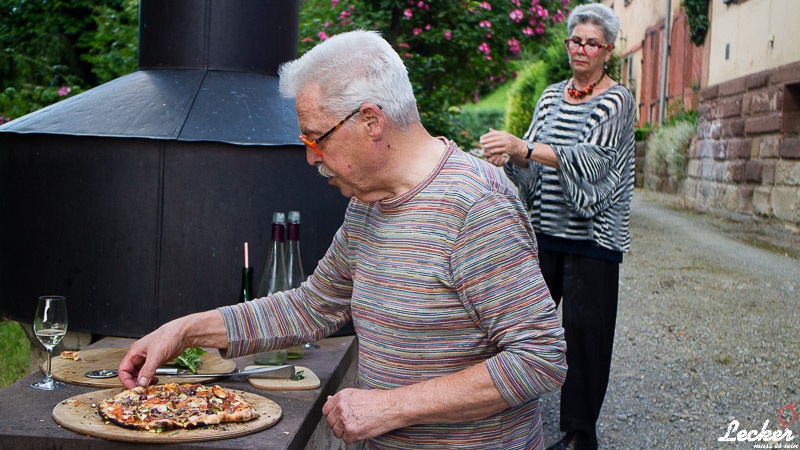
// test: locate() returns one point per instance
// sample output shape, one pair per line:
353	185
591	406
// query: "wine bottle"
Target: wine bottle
246	291
294	265
274	280
294	268
274	277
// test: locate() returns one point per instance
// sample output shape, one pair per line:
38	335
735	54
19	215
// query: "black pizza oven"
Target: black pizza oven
134	199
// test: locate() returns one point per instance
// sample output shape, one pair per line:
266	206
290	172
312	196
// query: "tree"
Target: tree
455	50
55	48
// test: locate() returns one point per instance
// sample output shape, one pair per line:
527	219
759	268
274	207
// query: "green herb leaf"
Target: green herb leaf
297	376
190	358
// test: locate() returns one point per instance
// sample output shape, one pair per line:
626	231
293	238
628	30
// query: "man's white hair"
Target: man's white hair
351	69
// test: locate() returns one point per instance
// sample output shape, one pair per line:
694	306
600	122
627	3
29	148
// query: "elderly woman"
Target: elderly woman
574	170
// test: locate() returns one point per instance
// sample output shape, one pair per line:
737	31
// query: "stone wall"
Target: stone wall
746	157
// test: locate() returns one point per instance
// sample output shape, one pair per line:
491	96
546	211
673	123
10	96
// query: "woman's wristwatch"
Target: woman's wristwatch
530	150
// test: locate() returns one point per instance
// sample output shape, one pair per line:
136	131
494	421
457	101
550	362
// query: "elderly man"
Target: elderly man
435	263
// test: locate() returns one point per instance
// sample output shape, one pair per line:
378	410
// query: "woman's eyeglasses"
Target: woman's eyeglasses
313	144
590	48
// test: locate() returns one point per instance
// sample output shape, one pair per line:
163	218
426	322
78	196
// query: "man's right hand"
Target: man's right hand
138	367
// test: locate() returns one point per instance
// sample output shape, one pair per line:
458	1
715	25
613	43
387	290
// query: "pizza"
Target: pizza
171	406
74	355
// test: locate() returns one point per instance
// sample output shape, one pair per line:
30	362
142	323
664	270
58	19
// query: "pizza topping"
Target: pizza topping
74	355
171	406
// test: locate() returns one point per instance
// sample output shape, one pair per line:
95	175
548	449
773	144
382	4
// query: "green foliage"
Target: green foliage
476	122
496	99
113	49
53	49
14	348
523	96
551	67
676	113
667	149
190	358
697	15
643	133
454	50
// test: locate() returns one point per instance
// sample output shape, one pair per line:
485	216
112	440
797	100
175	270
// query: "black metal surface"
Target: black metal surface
184	105
135	232
233	35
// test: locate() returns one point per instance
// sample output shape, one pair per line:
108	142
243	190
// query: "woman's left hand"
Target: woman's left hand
498	146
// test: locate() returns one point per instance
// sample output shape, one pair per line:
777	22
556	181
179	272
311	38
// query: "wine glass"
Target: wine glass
50	326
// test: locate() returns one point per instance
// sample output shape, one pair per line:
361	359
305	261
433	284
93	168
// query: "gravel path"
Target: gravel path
708	332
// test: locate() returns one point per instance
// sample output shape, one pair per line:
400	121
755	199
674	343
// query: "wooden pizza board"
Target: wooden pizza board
74	372
79	414
310	381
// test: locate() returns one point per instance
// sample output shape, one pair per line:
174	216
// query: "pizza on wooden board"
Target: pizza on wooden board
171	406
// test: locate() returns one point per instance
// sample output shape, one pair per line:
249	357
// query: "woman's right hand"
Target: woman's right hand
499	146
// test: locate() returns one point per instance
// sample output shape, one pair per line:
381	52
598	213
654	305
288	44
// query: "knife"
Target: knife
260	372
275	372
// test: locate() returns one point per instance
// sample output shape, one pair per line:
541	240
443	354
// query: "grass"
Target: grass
14	349
497	99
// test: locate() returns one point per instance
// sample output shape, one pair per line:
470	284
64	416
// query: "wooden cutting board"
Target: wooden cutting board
310	381
79	414
74	372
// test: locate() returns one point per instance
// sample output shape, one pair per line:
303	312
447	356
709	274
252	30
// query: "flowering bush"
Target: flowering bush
53	50
455	50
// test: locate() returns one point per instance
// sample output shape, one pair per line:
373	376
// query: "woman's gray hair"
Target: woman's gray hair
597	14
351	69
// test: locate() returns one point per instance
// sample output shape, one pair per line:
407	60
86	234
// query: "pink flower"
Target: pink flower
516	15
448	35
513	45
334	3
484	48
407	56
540	28
64	91
516	3
527	31
564	4
558	17
323	36
344	15
416	31
307	39
421	5
408	13
486	5
427	27
485	24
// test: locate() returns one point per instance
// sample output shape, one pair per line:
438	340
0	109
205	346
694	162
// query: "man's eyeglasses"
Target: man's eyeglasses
590	48
313	144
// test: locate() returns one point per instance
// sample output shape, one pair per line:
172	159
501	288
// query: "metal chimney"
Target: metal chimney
134	198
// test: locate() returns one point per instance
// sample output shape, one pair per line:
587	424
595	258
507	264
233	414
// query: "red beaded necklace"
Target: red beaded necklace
577	95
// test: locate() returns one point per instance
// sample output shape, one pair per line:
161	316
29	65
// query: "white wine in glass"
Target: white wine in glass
50	326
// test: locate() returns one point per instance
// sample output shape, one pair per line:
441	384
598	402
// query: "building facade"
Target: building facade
744	82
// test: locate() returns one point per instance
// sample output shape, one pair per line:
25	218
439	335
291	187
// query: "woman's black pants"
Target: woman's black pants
588	290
